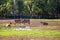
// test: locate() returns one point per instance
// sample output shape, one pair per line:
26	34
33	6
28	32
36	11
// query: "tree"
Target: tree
27	7
6	7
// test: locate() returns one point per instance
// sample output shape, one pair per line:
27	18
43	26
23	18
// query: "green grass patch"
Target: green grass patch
4	25
45	27
46	19
34	33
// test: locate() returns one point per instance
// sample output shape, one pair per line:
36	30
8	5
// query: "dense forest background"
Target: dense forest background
45	9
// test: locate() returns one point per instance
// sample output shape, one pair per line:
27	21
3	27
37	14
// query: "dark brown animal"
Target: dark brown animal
18	21
26	21
22	21
44	23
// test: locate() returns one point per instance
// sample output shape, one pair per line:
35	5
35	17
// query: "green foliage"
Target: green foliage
6	7
28	6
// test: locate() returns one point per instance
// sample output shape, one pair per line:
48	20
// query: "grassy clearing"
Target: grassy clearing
45	27
34	33
4	25
46	19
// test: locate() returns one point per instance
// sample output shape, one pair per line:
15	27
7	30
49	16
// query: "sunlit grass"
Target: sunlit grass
4	25
34	33
45	27
46	19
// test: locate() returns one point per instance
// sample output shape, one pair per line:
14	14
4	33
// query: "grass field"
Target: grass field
34	33
46	19
10	34
37	33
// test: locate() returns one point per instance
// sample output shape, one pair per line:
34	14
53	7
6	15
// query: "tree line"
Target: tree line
30	9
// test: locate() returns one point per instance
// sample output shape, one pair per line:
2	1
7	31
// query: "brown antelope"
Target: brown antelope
44	23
